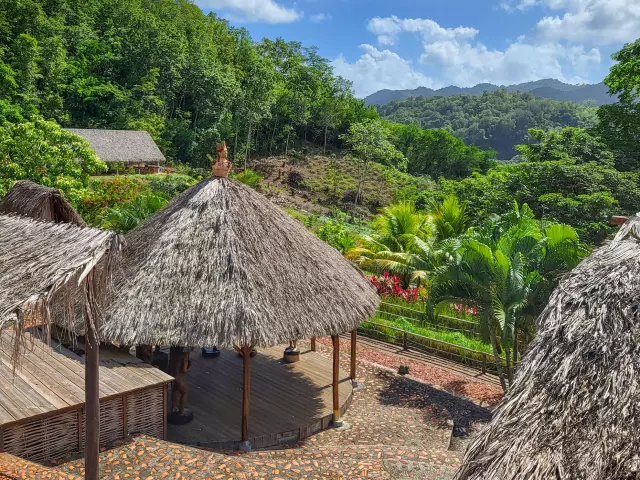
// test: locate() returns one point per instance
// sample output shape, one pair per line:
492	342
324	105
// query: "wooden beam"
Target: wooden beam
246	392
313	344
354	339
125	428
92	399
619	220
335	339
165	396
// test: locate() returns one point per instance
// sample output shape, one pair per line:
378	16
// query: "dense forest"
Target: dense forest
188	78
494	120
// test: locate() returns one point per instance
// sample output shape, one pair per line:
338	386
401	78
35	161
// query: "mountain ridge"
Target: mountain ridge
586	94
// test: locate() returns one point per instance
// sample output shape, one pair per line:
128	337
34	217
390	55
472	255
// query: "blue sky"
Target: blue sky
434	43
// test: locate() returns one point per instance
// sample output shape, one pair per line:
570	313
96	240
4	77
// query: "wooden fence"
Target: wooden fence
482	361
390	311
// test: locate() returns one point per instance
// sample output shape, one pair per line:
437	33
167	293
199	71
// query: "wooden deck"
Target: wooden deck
50	379
289	402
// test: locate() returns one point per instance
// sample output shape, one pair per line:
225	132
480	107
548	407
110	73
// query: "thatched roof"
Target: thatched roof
221	265
39	259
573	411
42	203
128	146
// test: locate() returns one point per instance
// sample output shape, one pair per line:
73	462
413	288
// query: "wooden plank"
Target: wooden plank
19	399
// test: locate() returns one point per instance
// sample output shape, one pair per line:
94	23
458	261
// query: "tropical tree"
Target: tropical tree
509	264
402	244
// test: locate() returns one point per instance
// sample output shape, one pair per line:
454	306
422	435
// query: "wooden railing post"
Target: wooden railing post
484	363
405	343
313	344
335	339
354	338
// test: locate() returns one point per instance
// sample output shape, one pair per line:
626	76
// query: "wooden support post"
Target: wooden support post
335	339
484	363
165	397
354	339
246	395
125	428
405	343
92	401
313	344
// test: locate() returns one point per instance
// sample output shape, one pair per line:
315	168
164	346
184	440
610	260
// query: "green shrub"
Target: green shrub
248	177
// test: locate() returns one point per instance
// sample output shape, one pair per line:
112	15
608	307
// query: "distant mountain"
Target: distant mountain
549	88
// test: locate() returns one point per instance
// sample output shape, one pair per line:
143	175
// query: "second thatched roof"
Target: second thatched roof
128	146
221	265
573	411
42	203
39	260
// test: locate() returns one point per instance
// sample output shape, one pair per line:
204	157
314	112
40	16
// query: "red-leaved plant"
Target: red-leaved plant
391	286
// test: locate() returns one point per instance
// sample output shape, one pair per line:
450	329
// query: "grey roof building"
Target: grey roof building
133	147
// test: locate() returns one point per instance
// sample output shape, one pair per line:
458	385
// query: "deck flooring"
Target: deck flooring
284	397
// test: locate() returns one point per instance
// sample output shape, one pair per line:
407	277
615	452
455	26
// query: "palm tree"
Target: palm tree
402	244
411	244
496	284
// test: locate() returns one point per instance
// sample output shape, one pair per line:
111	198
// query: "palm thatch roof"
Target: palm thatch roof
574	408
221	265
128	146
40	261
39	202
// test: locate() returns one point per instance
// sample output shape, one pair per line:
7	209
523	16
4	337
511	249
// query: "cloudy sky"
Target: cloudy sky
399	44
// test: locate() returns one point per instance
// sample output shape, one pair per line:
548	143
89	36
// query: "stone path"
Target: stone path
396	428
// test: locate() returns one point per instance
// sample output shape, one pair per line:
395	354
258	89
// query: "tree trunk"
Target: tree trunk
235	146
515	351
246	155
363	175
496	357
507	352
273	136
324	149
286	150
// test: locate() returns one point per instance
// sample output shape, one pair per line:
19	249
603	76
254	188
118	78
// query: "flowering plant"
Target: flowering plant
391	286
463	309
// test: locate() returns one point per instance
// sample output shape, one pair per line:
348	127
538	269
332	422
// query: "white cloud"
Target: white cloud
267	11
594	22
388	28
376	70
320	17
466	64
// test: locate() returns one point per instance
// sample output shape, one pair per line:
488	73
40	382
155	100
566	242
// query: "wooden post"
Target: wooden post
313	344
92	397
405	343
125	428
165	396
335	339
354	338
484	363
246	395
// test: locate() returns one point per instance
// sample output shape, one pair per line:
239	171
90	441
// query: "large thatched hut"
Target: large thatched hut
573	411
44	262
221	265
36	201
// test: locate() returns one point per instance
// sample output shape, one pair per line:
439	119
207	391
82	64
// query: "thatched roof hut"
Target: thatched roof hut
43	261
42	203
221	265
127	146
573	410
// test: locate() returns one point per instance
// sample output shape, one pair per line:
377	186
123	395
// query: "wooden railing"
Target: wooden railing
482	361
390	311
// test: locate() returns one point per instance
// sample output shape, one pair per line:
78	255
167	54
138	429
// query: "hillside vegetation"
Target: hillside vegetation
494	120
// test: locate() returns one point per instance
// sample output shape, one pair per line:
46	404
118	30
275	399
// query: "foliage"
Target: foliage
248	177
491	121
571	144
44	153
169	186
187	78
438	153
391	286
127	215
619	124
337	235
